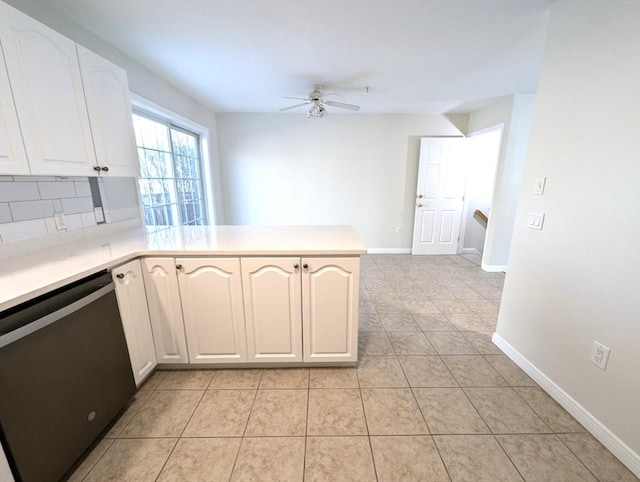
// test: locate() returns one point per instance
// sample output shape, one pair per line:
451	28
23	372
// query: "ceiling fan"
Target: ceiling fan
317	103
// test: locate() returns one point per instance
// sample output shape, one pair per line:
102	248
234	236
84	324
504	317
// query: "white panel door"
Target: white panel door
330	289
211	293
132	303
106	91
13	158
165	310
45	80
439	195
272	309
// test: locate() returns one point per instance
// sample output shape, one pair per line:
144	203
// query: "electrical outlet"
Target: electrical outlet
99	215
599	355
58	218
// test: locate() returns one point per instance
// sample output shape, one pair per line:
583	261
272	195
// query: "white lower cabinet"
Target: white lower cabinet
165	310
211	295
132	302
272	304
253	309
330	292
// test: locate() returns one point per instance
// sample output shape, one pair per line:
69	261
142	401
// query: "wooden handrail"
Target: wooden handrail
481	217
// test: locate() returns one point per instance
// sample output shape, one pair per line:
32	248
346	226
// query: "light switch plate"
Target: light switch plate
535	221
539	187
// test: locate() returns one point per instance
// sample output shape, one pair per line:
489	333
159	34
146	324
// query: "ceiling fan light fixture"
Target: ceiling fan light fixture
316	111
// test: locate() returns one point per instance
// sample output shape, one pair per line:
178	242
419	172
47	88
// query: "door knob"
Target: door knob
305	266
419	205
105	169
97	168
420	196
120	275
178	266
296	266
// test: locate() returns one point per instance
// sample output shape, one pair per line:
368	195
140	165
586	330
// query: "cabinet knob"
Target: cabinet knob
296	266
305	266
178	266
120	275
105	169
97	168
420	196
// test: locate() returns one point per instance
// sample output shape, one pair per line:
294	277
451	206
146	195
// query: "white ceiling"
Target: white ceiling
420	56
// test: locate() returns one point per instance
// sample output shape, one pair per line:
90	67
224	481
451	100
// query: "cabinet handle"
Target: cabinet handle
120	275
105	169
296	266
97	168
305	266
178	266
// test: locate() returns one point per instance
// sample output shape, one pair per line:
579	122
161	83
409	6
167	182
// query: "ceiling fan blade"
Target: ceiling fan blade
293	106
297	98
342	105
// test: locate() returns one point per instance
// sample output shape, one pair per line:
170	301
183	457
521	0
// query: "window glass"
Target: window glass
170	173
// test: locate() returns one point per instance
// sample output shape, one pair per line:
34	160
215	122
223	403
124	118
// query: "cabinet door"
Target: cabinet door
106	91
272	308
165	310
132	302
211	293
13	159
47	90
330	289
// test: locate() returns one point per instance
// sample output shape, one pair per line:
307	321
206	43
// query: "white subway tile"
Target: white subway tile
19	191
21	230
77	205
5	213
82	188
57	205
88	219
51	226
6	178
56	190
73	222
25	210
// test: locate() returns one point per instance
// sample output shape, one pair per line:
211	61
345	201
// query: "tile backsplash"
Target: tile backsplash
28	205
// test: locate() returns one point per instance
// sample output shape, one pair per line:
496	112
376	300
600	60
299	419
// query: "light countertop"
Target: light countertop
26	276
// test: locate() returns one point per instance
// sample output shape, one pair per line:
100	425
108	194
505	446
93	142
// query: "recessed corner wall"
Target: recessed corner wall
578	280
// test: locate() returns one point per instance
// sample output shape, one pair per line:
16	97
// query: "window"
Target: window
171	187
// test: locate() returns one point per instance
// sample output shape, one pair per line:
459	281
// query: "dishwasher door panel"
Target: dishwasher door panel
60	387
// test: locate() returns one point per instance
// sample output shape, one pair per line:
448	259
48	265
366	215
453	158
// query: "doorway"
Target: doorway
483	155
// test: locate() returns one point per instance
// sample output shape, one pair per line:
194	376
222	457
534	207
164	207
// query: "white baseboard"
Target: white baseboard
616	446
389	250
471	251
494	268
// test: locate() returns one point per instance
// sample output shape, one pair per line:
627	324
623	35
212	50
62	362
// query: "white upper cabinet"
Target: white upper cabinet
13	158
330	292
106	90
73	107
47	91
211	294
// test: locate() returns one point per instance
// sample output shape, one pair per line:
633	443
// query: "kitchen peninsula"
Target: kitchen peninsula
215	295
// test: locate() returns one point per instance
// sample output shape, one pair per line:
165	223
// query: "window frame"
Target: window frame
146	108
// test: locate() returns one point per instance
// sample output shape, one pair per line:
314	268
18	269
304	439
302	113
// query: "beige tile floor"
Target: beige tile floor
431	399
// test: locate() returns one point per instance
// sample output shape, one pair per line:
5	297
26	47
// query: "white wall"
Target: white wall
343	169
514	114
142	81
578	279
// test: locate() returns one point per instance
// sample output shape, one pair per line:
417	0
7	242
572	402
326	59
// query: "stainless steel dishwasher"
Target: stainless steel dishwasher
64	375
